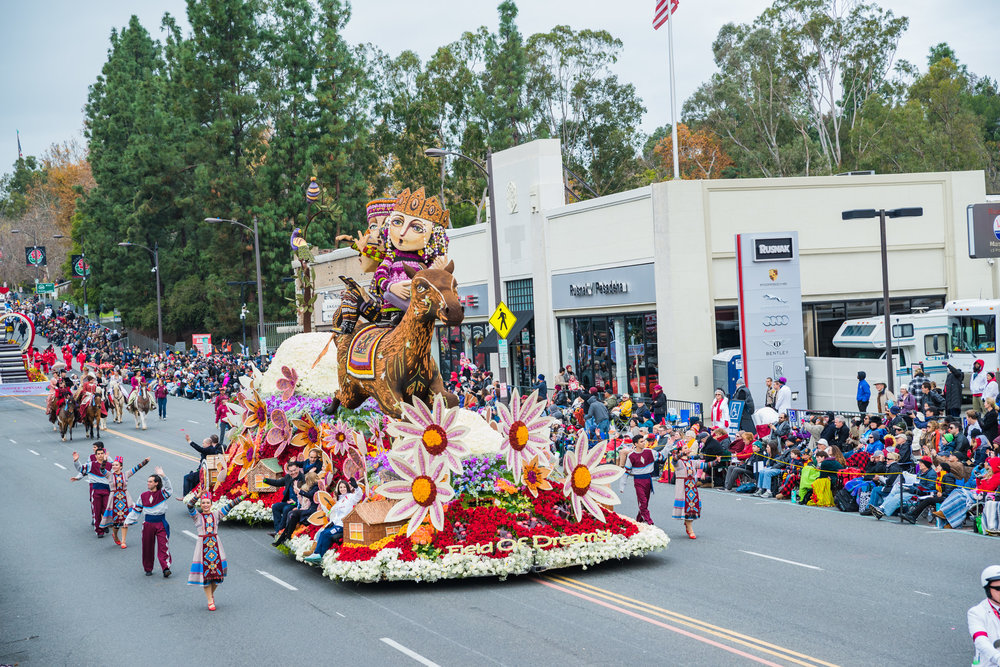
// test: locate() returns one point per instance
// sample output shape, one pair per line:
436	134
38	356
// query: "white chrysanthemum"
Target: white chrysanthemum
300	352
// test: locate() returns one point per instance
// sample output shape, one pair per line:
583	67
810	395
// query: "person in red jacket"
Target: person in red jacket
81	359
742	447
67	354
161	399
221	412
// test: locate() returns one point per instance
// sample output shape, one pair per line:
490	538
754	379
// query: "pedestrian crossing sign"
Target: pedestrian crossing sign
502	320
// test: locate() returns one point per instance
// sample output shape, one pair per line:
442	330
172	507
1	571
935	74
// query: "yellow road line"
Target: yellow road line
125	435
725	633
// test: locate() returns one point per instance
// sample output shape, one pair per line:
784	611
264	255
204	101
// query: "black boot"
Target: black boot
804	500
331	409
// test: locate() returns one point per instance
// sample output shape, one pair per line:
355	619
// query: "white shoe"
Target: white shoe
767	494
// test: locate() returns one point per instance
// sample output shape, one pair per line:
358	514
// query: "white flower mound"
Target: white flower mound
299	352
481	439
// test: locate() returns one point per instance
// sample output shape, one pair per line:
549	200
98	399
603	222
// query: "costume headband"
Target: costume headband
418	205
376	208
118	459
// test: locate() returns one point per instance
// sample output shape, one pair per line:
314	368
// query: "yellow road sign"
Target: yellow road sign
502	320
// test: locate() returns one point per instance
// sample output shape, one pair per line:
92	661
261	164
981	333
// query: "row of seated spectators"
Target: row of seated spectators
948	467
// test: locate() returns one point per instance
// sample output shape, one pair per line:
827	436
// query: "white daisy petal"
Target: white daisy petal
604	494
401	510
593	507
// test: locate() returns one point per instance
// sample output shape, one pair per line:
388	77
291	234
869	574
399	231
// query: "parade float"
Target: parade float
448	492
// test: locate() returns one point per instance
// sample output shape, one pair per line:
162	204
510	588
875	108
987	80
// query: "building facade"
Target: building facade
640	288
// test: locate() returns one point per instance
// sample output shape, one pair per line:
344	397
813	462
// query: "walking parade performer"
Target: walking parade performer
687	503
119	502
208	568
96	471
155	529
639	465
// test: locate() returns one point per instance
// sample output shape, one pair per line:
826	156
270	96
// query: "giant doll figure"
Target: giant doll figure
415	237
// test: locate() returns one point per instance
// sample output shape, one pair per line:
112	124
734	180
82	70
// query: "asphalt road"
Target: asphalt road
766	582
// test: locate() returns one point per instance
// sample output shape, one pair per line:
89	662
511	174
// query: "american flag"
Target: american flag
664	8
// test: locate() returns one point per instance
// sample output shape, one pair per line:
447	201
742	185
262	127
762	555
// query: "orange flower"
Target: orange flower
505	486
256	415
535	477
307	434
423	535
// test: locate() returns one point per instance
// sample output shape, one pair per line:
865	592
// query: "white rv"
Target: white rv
917	338
972	327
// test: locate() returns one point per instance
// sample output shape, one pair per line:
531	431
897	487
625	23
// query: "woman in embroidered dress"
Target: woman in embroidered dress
119	501
208	568
687	503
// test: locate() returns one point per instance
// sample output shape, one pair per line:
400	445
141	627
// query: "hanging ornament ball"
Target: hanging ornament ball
312	192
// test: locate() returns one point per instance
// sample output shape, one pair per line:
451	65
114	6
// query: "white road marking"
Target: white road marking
782	560
193	421
12	440
922	593
276	580
34	452
405	651
59	465
190	534
341	615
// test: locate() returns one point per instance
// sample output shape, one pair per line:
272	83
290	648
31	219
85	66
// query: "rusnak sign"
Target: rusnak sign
767	250
984	230
770	313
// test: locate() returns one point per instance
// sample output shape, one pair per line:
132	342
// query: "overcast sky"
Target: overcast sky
50	53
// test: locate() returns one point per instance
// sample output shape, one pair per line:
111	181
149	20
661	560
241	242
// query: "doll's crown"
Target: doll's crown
418	205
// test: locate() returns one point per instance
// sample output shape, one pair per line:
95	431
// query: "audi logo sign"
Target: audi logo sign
775	320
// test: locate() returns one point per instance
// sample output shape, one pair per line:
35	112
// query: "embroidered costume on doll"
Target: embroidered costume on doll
416	238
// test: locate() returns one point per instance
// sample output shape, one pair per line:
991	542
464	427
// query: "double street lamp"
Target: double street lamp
882	214
487	170
261	339
155	252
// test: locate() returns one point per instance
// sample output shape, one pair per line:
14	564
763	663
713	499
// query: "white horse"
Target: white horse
116	392
139	404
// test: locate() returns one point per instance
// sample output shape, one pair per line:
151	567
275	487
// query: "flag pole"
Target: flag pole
673	92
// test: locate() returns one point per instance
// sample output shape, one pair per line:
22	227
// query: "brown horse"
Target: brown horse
401	363
92	414
67	418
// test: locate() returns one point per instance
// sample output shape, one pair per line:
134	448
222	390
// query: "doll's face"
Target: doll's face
408	232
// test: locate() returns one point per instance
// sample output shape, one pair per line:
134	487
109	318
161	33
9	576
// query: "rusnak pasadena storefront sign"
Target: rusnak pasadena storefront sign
770	313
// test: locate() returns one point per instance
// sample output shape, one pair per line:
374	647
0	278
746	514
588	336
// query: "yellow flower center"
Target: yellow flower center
581	480
341	437
424	491
435	440
518	436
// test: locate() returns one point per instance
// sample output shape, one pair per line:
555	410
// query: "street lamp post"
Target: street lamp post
488	172
155	252
261	339
243	305
882	214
